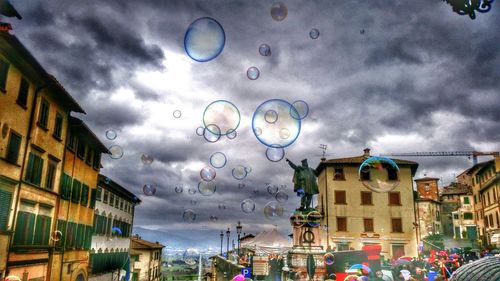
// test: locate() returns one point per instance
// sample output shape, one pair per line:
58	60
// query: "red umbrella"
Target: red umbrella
406	258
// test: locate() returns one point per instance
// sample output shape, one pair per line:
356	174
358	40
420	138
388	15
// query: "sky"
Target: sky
394	76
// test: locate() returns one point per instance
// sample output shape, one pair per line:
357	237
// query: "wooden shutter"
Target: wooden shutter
5	202
368	223
340	197
29	169
76	190
61	226
23	234
85	195
42	230
13	147
93	195
366	198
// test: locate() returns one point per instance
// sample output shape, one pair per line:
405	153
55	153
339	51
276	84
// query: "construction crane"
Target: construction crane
473	154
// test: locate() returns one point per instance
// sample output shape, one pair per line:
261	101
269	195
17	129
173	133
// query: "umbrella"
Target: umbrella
406	258
475	250
401	262
495	251
311	266
361	266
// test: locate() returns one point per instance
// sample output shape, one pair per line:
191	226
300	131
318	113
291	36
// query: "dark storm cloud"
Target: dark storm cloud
109	115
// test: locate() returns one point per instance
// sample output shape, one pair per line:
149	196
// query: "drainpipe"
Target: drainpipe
327	216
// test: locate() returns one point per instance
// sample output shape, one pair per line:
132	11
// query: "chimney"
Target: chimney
366	152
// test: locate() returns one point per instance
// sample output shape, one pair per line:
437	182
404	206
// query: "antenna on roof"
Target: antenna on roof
323	147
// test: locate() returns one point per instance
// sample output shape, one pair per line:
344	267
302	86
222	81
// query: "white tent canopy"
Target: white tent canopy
268	242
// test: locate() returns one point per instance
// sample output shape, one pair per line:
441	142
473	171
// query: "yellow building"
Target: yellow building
34	112
145	259
81	166
354	216
428	207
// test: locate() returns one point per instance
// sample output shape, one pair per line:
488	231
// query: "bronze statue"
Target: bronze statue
304	178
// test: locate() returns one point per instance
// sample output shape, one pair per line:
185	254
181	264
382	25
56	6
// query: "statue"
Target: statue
304	179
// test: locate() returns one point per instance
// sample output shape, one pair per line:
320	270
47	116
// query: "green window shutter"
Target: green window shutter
38	167
61	226
93	194
75	193
88	237
80	236
23	234
85	195
42	230
69	184
5	201
29	169
13	147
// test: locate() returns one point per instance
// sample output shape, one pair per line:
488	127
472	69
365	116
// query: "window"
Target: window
394	198
90	155
117	202
85	195
76	191
105	197
491	220
338	174
340	197
51	174
392	174
366	198
4	70
111	199
121	204
475	199
368	224
66	183
25	225
466	200
93	193
427	187
5	202
397	251
365	174
468	216
455	216
341	224
397	225
22	97
43	115
97	160
71	142
58	126
34	169
42	230
498	220
98	193
81	149
13	147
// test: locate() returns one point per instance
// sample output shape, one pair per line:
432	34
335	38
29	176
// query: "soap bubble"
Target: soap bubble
281	197
264	50
149	189
301	109
224	115
178	189
271	116
275	153
253	73
206	188
212	133
362	31
116	152
314	33
177	114
189	215
284	133
56	235
218	160
247	206
379	174
241	185
200	131
273	210
207	173
248	169
204	39
213	218
222	207
111	134
147	159
232	134
192	191
272	189
270	132
239	172
279	11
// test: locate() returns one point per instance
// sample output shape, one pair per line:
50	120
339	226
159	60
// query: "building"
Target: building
113	220
355	216
145	257
81	165
453	209
428	207
34	112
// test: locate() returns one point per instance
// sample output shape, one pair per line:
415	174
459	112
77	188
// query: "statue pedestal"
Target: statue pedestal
306	241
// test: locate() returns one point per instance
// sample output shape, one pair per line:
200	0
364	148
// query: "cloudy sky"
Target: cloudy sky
395	76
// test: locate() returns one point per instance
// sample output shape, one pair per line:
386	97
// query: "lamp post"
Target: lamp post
221	239
238	230
227	235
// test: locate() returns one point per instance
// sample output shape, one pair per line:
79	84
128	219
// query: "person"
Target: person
304	178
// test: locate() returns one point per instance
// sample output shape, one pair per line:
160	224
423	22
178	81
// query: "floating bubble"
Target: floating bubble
281	197
232	134
147	159
149	189
111	134
56	235
224	115
272	189
200	131
271	116
239	172
270	132
273	210
362	31
189	215
207	173
275	153
206	188
204	39
314	33
301	109
212	133
279	11
115	231
178	189
213	218
379	174
253	73
192	191
177	114
264	50
329	258
222	207
284	133
314	219
116	152
218	160
248	169
247	206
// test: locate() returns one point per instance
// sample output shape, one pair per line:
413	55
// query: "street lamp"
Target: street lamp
469	7
221	239
238	230
227	234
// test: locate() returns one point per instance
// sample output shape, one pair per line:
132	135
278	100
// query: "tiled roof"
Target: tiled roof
455	188
138	243
485	269
426	179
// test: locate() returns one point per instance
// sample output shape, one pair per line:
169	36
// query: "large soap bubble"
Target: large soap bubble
204	39
116	152
271	134
218	160
379	174
272	189
264	50
273	210
253	73
111	134
149	189
239	172
147	159
206	188
275	153
178	189
207	173
224	115
247	206
212	133
279	11
189	215
314	33
281	197
301	109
